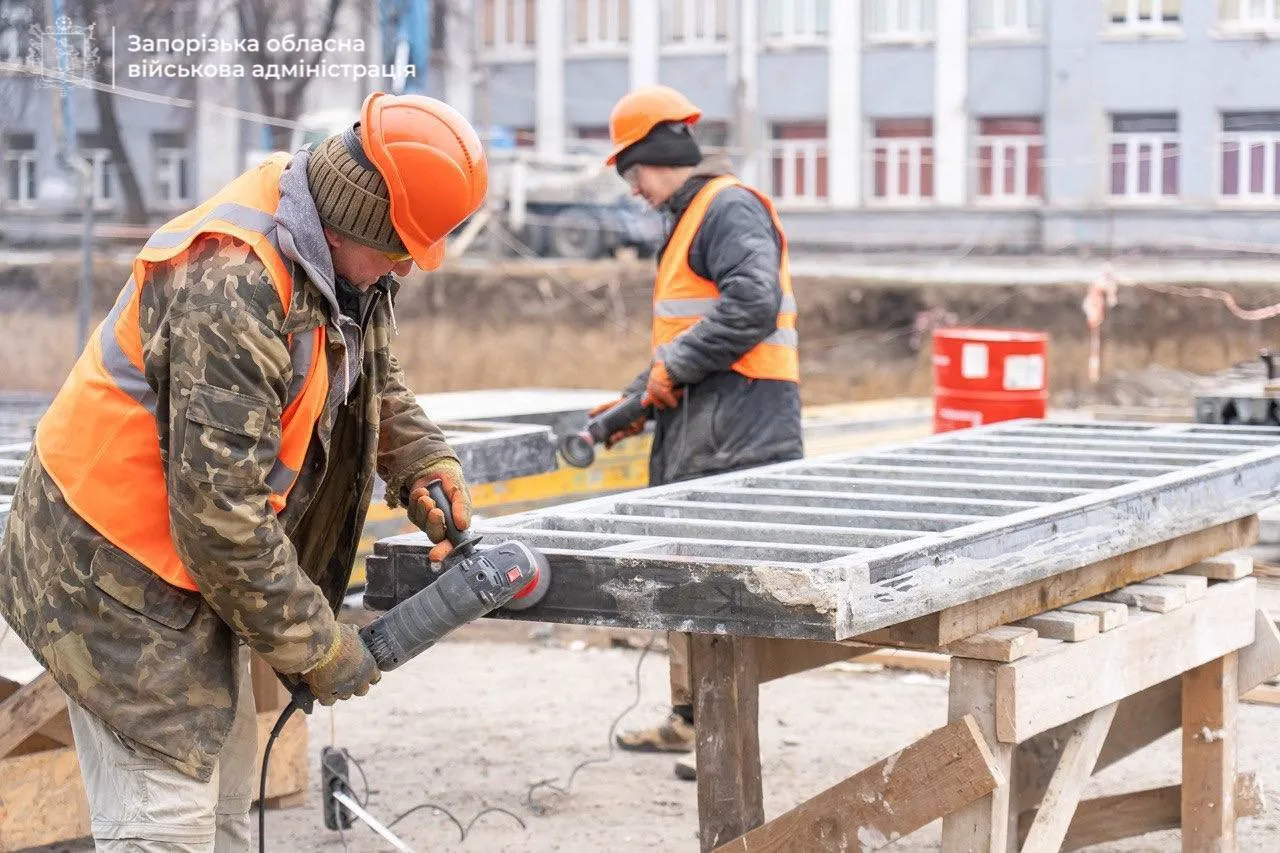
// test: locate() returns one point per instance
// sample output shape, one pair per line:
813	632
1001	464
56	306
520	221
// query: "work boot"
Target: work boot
673	734
687	767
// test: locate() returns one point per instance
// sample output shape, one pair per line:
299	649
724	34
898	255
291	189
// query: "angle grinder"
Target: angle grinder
472	583
579	448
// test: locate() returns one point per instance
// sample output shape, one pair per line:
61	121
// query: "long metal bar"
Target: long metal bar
350	804
855	500
715	511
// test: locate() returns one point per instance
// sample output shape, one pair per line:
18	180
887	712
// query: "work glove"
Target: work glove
661	391
346	670
430	518
634	428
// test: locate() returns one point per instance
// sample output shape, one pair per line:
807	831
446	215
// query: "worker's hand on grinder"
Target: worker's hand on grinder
430	518
634	428
661	391
346	670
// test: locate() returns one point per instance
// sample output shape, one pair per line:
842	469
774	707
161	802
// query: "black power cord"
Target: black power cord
262	781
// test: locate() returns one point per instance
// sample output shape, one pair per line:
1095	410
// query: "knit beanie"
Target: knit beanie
350	195
669	143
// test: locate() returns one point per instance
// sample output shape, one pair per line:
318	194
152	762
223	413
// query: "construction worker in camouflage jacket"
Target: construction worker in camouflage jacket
199	485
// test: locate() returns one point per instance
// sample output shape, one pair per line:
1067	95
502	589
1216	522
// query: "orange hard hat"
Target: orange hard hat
433	164
640	110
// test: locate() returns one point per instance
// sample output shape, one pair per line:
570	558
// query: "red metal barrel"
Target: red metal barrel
981	376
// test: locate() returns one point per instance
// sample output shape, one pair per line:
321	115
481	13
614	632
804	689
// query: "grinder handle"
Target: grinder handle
436	490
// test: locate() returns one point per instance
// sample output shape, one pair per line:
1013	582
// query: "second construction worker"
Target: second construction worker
724	379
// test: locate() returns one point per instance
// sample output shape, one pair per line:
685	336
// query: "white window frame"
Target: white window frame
1133	143
895	32
789	150
1245	21
168	177
891	149
29	186
1133	26
1011	21
799	22
1245	139
612	41
505	45
104	177
701	24
1000	144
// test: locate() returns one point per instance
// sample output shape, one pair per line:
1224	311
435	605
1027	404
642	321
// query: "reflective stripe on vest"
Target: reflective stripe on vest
681	297
99	439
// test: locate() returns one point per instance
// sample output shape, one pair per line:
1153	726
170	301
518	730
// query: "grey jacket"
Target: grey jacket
725	421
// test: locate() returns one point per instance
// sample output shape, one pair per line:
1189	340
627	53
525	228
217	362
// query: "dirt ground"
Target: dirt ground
474	723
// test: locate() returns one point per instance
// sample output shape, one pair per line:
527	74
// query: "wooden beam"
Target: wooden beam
42	799
946	770
1224	567
52	735
30	708
1120	663
269	693
1266	694
777	658
1003	643
1209	711
954	623
981	826
1143	718
1111	614
1064	625
1107	819
1149	596
1193	585
1069	779
726	699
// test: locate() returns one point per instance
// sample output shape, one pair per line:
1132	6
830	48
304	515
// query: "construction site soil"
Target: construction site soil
514	323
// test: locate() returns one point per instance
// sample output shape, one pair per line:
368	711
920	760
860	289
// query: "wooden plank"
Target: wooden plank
26	711
1267	694
912	661
52	735
954	623
287	773
726	699
1063	625
42	799
943	771
981	826
1069	779
288	801
1143	718
1003	643
1209	710
1111	614
1106	819
1193	585
1149	596
1225	567
1119	663
269	693
777	658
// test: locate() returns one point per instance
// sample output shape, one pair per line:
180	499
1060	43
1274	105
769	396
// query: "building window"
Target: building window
172	169
902	160
798	161
1144	157
796	21
1010	160
1007	19
1145	14
1250	145
695	22
1249	14
599	24
900	20
20	169
508	25
104	170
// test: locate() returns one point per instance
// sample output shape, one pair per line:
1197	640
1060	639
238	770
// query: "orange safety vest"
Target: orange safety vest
681	297
99	439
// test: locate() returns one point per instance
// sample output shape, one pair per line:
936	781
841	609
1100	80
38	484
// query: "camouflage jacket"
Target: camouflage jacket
156	662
